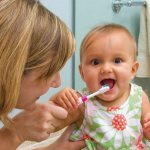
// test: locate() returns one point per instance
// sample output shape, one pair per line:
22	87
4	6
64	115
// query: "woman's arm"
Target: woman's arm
63	143
9	139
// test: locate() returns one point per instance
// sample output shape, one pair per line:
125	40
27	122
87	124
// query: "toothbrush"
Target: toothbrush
102	90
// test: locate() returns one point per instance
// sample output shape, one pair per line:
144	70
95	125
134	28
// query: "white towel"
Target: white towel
144	42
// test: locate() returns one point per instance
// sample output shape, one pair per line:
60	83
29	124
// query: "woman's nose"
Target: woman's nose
56	80
106	68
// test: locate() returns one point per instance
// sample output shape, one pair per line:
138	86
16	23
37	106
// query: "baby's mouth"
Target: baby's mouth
110	82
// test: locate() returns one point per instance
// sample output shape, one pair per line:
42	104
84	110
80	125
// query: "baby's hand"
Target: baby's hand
146	126
66	98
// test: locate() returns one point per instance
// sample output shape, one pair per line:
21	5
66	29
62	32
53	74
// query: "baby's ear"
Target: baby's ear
135	67
81	72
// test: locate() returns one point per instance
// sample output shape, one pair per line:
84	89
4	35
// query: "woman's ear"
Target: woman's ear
135	67
81	72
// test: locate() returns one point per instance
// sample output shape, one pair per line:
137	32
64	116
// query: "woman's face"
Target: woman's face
32	89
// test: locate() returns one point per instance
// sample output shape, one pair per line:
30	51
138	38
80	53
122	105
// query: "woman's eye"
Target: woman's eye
118	60
95	62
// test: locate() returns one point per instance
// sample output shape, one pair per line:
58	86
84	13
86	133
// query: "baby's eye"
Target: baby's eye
118	60
95	62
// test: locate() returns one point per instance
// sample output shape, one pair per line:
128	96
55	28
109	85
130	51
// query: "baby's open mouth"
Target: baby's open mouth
110	82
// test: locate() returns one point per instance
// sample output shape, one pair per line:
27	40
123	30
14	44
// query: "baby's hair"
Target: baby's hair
106	28
31	37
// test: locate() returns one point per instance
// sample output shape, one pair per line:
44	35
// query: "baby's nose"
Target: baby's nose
106	68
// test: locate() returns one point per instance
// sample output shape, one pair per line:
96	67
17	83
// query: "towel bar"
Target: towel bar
117	4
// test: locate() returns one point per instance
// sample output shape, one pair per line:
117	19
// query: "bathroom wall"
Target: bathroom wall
89	13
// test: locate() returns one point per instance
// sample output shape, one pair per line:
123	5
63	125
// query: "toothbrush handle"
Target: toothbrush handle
100	91
82	99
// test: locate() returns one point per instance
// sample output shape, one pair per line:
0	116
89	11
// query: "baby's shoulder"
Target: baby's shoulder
136	90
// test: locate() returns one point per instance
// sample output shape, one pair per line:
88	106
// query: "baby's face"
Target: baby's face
109	59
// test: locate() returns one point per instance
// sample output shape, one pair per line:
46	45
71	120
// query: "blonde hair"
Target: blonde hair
31	37
107	28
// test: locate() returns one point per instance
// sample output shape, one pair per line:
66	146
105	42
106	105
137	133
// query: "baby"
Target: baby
119	118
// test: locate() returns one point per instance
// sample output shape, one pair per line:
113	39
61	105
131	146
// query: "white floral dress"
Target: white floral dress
113	128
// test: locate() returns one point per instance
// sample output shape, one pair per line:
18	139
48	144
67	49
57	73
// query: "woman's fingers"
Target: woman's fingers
38	121
73	145
57	112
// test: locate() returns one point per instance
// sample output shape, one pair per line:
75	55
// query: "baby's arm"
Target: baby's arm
146	116
66	98
146	128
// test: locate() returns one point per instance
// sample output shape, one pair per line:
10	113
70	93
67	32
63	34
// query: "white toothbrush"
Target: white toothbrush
102	90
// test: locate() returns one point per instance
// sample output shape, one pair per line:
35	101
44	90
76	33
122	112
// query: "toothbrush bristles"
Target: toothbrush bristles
106	85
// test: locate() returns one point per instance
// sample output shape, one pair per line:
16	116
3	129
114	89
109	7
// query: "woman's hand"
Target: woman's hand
38	121
33	124
63	142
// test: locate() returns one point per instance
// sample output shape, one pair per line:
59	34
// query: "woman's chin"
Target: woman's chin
26	105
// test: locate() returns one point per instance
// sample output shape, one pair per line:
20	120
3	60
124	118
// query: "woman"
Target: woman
34	46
